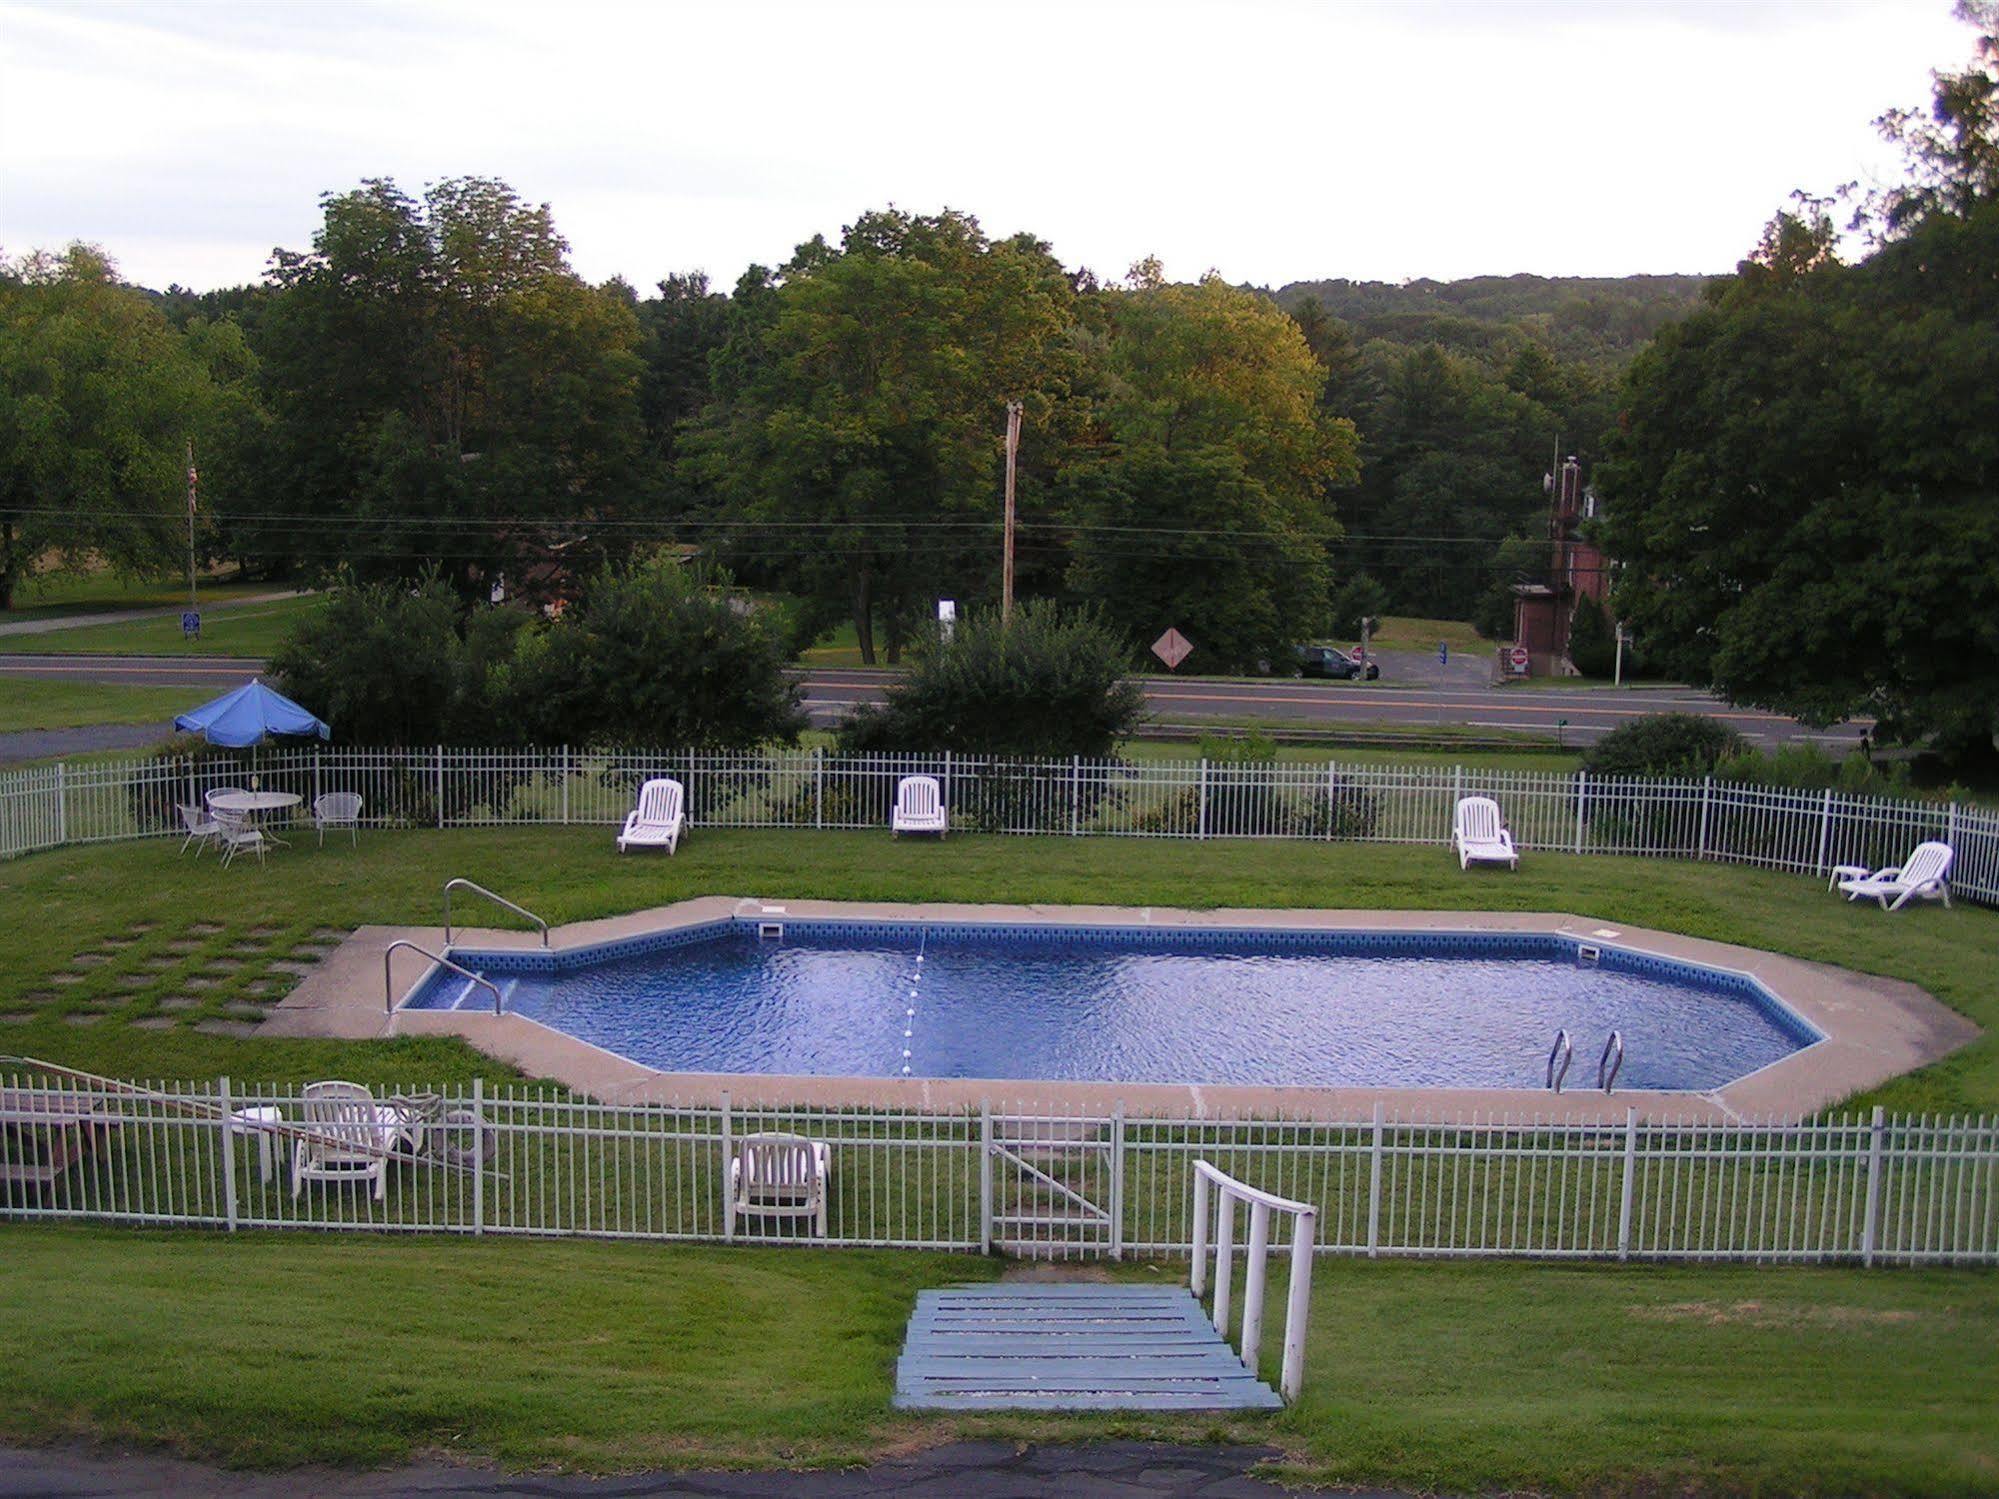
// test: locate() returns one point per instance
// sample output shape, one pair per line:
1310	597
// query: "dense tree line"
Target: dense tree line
1805	491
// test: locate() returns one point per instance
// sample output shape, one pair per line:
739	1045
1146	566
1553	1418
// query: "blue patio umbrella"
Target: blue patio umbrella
249	715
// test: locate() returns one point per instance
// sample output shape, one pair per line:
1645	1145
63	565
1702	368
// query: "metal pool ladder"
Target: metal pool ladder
1611	1062
498	900
1559	1057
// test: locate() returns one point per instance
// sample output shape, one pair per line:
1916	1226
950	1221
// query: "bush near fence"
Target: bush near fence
1875	1190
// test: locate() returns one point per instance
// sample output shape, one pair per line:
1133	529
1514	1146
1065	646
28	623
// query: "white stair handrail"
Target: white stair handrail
388	984
498	900
1611	1062
1226	1191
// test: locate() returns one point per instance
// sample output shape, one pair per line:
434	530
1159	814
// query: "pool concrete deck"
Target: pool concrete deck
1875	1028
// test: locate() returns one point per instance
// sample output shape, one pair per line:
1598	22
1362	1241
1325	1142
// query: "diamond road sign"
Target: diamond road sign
1172	648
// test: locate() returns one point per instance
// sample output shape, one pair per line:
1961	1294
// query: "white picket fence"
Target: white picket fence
1025	1178
1804	831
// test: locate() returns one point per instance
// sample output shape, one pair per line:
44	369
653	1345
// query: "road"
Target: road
1459	703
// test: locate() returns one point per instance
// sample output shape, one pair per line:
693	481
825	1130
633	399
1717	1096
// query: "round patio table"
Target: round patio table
255	804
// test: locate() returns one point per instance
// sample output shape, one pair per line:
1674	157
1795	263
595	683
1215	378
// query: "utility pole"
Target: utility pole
192	601
1006	563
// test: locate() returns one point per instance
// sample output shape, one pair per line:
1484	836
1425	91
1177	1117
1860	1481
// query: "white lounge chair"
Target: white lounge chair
658	819
1920	876
233	834
337	809
919	807
780	1176
1479	834
200	825
349	1136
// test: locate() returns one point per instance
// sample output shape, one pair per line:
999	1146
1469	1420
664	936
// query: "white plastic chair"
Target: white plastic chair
200	825
780	1176
234	834
337	809
1479	834
657	820
349	1137
1921	876
919	807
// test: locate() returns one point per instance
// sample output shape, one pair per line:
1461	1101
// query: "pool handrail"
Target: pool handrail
388	981
1298	1304
498	900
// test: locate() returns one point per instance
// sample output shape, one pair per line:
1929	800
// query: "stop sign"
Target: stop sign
1518	656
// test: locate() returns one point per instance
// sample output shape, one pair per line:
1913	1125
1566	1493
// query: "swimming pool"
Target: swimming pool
1136	1005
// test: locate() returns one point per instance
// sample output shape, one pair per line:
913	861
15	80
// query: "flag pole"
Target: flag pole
192	601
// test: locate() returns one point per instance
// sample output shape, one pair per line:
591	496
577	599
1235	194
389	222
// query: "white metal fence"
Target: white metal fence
1028	1180
1775	828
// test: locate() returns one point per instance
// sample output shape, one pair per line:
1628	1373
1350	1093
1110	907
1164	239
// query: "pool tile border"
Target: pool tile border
1869	1028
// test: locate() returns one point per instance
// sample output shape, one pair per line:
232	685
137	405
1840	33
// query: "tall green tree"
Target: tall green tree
1204	506
1805	496
100	396
445	390
855	439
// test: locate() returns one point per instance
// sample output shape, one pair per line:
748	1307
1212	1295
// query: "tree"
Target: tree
1592	639
99	398
1360	597
855	438
656	654
1050	683
1952	149
446	391
1204	503
1803	495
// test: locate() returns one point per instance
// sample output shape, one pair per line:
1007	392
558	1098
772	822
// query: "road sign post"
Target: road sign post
1172	648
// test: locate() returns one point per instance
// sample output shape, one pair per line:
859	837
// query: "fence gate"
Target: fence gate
1055	1184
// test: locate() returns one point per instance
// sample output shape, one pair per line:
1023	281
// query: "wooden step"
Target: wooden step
1070	1347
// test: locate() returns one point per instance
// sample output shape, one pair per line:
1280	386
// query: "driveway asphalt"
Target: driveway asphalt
961	1470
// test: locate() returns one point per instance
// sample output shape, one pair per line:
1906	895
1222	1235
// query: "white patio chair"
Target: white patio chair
658	819
919	807
337	809
780	1176
233	834
200	825
1921	876
348	1136
1479	834
208	796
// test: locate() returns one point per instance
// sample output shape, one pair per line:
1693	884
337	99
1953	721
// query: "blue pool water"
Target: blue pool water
1138	1005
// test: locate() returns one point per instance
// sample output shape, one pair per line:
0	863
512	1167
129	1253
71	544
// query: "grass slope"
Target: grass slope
118	931
265	1349
232	630
68	705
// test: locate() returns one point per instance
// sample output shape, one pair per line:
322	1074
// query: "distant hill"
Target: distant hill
1598	320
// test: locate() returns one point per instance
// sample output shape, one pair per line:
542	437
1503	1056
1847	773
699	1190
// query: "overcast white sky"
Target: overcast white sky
1272	141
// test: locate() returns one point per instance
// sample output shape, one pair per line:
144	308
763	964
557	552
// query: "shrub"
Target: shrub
1592	640
653	657
1358	597
1051	684
384	664
1664	744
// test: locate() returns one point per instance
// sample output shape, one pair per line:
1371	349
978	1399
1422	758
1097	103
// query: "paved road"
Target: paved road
962	1470
1576	715
1461	701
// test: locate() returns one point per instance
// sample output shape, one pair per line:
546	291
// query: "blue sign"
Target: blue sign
190	622
1443	653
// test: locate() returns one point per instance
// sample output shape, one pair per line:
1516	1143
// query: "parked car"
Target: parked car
1330	661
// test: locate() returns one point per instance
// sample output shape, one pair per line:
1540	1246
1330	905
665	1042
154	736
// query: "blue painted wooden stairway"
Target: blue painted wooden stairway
1070	1347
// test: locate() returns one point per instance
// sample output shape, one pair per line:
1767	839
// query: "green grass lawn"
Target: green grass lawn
277	1350
228	630
26	704
121	930
1402	632
56	594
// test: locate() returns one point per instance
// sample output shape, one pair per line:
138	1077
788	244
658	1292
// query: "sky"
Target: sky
1268	140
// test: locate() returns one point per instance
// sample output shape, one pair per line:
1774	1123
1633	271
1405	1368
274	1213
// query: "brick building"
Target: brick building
1543	613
